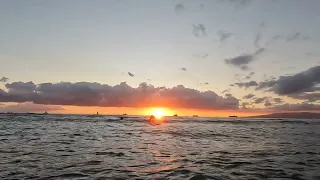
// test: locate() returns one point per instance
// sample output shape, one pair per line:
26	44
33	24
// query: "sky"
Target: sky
206	57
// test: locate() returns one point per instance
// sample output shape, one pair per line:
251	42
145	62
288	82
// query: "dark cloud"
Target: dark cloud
183	69
267	103
29	107
224	35
295	36
4	79
260	100
310	97
199	30
306	81
121	95
277	100
248	96
206	83
244	68
226	90
21	87
243	60
246	84
130	74
245	104
273	40
179	8
250	75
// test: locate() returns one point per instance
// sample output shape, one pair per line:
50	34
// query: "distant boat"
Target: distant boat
124	114
97	113
45	113
175	115
233	116
195	116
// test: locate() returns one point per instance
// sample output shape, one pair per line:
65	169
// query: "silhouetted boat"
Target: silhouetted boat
124	114
195	116
45	113
233	116
175	115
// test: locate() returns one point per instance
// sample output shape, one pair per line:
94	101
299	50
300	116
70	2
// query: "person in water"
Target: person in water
151	117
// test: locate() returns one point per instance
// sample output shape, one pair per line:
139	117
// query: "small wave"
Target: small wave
66	175
237	164
110	153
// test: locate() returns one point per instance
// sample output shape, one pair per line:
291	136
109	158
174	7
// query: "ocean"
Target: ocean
104	147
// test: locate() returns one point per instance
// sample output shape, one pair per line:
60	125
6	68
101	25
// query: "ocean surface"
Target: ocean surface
104	147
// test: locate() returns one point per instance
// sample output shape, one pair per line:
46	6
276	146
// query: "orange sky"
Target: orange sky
148	111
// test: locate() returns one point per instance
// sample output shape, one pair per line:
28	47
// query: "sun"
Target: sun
158	113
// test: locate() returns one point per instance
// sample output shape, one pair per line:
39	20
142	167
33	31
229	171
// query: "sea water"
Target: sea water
104	147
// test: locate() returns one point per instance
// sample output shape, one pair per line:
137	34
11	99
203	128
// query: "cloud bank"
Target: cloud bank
121	95
306	81
29	107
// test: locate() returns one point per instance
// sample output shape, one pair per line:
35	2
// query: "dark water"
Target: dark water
82	147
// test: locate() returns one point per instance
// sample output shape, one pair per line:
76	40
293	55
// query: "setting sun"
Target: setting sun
158	113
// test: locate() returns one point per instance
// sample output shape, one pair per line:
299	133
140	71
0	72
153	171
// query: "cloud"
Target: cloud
246	84
248	96
21	87
179	8
273	40
130	74
277	100
224	35
237	3
306	81
29	107
243	60
4	79
250	75
295	36
206	83
199	30
297	107
226	90
310	97
183	69
245	104
267	103
257	40
121	95
260	100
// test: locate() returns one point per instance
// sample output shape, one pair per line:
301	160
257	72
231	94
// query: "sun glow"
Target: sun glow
159	113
